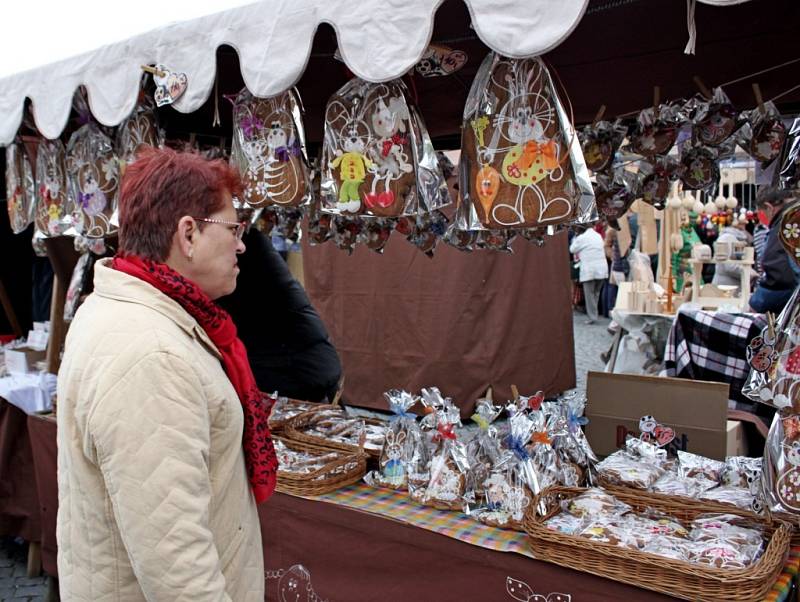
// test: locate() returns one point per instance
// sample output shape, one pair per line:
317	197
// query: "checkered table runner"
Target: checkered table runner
706	345
397	505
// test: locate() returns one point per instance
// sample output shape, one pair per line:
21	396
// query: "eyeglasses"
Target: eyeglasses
238	228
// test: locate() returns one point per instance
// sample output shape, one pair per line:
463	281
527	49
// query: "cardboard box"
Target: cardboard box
696	410
23	359
737	439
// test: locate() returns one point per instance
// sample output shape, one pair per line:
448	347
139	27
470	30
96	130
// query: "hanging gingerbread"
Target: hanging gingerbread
20	188
368	158
139	130
656	131
93	179
699	166
521	164
52	213
269	151
600	142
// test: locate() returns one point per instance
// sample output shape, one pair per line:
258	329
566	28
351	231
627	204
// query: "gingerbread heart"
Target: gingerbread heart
440	60
663	435
170	85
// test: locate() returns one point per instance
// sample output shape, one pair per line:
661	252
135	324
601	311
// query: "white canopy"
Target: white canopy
50	47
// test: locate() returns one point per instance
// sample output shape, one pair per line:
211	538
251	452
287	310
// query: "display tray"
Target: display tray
347	468
674	577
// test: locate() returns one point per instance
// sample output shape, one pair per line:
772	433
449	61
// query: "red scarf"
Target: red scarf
259	454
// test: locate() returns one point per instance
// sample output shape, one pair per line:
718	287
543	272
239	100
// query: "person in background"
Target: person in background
760	232
164	447
681	266
588	246
729	273
288	346
779	278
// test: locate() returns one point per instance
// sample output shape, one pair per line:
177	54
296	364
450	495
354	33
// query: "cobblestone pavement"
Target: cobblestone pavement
15	586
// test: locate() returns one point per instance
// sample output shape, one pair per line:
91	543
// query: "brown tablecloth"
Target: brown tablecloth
42	431
349	555
345	554
19	505
459	321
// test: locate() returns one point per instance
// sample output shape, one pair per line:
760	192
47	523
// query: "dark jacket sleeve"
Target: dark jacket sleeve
287	342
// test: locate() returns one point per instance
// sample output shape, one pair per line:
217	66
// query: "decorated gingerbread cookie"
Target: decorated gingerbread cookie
20	188
516	169
268	149
94	180
52	211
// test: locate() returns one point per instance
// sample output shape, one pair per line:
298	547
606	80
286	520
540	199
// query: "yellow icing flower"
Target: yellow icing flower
478	126
53	212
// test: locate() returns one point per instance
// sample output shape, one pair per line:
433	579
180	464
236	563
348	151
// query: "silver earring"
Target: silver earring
191	253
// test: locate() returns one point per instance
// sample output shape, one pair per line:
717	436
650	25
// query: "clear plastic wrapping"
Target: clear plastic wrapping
20	188
269	150
52	215
446	486
140	129
600	142
377	157
94	181
521	162
402	445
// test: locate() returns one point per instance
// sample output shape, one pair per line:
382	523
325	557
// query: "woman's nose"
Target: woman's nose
240	248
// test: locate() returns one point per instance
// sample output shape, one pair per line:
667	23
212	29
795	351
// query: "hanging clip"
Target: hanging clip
656	101
153	70
759	98
600	112
702	87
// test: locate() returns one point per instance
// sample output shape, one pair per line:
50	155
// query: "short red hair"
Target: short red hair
161	187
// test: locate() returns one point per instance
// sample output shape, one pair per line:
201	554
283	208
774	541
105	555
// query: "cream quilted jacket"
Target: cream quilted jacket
154	502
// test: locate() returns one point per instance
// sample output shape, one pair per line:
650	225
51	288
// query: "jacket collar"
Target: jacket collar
113	284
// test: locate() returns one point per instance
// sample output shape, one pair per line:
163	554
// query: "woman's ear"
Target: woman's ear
185	235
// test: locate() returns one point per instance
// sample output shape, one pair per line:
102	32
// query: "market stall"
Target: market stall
425	276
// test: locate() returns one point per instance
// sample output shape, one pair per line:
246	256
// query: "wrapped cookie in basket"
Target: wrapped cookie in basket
20	188
52	214
401	444
94	181
545	460
377	158
484	450
521	163
576	457
269	150
449	467
508	490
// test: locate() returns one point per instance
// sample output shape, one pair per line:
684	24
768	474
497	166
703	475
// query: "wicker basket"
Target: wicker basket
324	479
650	571
294	430
704	505
278	425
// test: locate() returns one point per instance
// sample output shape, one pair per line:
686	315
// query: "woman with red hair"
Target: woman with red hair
163	444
